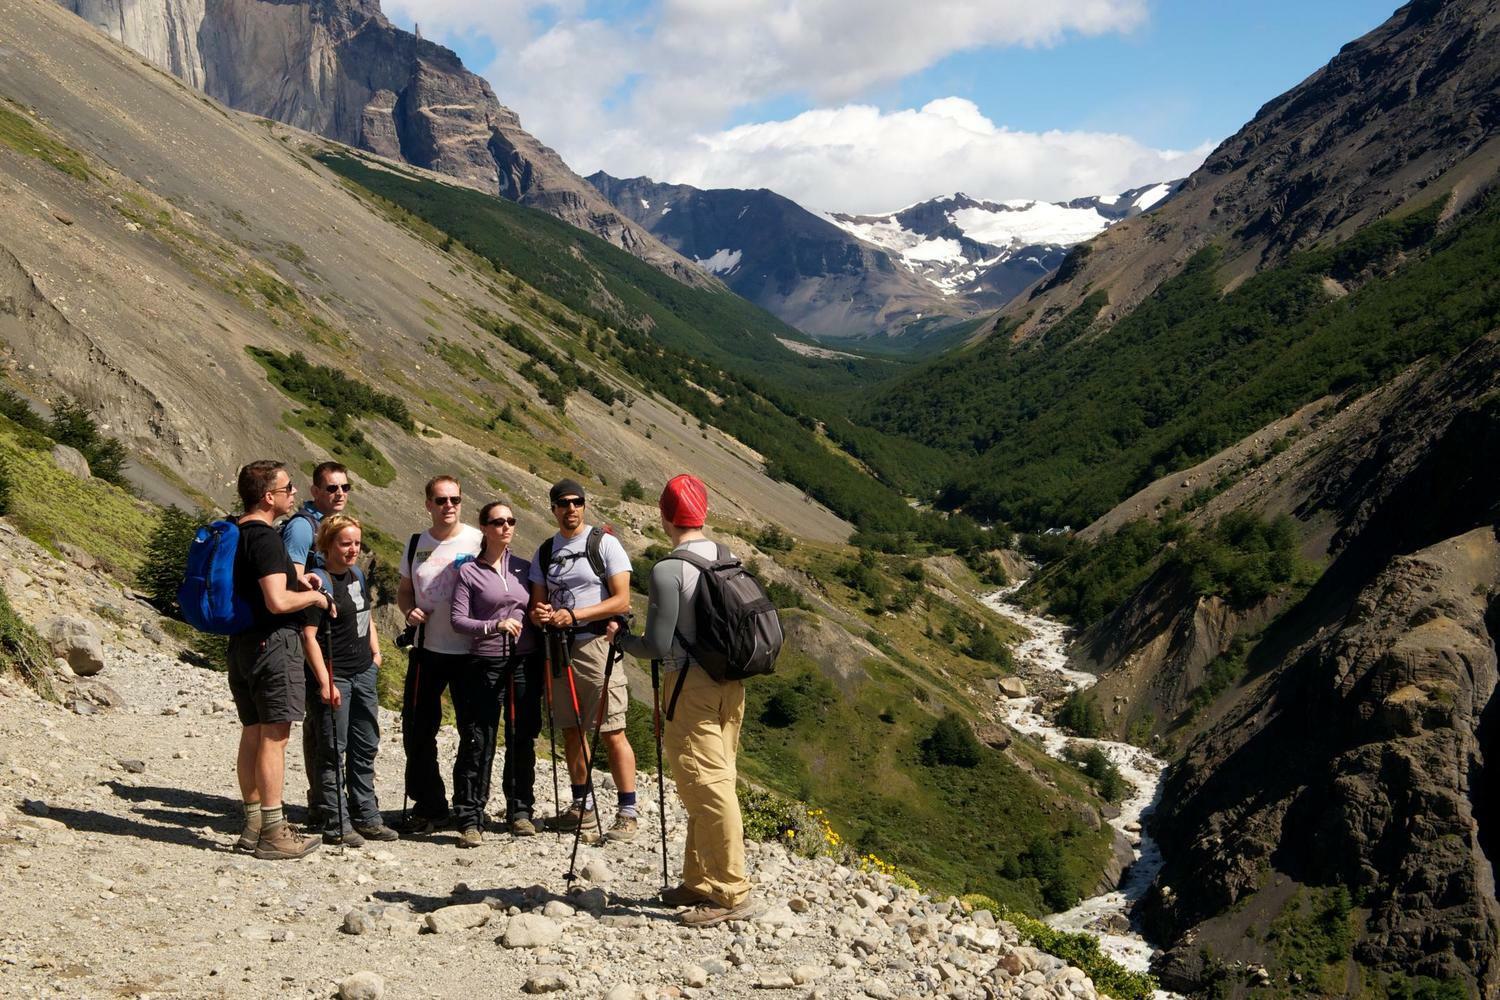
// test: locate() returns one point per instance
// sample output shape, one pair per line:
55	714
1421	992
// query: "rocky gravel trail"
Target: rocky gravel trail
118	809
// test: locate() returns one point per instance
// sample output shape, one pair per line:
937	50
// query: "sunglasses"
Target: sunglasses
288	488
497	522
339	487
447	501
569	502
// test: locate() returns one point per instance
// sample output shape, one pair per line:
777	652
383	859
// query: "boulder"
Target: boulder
531	930
364	985
74	639
71	461
460	917
993	735
1013	687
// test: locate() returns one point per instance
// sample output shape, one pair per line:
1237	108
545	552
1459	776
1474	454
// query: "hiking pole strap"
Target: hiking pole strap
677	690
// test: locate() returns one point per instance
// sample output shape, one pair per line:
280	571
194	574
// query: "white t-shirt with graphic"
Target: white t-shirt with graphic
569	579
436	576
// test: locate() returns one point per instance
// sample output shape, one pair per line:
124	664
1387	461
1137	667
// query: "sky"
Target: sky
870	105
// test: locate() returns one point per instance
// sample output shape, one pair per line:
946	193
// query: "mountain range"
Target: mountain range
887	277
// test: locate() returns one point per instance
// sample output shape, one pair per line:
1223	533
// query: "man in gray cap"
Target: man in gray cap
580	579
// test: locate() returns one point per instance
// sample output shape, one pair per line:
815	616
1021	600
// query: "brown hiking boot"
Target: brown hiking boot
624	828
569	819
282	843
249	837
522	826
470	837
711	914
681	895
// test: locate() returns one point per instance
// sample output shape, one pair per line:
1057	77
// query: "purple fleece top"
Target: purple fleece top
484	594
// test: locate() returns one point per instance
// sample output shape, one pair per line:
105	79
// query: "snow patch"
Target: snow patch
645	204
722	262
1024	223
1151	196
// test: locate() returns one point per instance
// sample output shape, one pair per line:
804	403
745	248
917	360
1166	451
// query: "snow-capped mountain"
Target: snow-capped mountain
986	252
842	276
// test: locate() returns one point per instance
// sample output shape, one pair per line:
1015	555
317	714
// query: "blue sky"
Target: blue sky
1059	98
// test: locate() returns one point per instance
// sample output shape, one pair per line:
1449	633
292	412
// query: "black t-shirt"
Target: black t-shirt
350	631
262	554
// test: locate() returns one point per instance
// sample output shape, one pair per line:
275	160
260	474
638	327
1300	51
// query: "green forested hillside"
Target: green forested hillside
712	353
1056	432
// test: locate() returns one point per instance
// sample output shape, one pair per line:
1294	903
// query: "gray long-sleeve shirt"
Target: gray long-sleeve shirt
672	586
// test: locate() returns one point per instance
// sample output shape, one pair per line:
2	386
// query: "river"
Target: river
1107	916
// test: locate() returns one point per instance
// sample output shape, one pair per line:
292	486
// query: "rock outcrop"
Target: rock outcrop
340	69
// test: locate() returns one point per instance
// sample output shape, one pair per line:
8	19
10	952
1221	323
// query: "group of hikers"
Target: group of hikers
506	636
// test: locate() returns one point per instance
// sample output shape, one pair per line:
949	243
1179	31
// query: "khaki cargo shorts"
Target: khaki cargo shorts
588	654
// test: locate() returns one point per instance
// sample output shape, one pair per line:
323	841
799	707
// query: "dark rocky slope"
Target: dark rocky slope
340	69
1410	108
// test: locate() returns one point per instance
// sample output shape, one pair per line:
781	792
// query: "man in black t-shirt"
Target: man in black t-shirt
265	661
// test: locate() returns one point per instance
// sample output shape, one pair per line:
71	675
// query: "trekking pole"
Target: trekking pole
333	739
510	729
583	735
548	669
408	700
661	773
591	750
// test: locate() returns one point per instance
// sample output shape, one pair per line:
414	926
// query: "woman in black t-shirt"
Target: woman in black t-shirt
349	645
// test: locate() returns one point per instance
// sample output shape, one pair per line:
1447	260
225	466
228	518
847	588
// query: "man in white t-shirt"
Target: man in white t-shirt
570	594
429	572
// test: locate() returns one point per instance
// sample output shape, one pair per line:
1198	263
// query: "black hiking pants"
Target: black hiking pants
495	694
428	675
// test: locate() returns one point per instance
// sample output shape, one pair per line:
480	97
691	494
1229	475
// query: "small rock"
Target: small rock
593	900
693	975
76	556
132	765
548	983
82	706
458	918
623	991
358	922
75	640
804	974
531	930
558	910
868	899
153	631
363	985
878	989
776	981
597	872
984	918
798	905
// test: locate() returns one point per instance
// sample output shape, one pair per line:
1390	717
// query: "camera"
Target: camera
408	637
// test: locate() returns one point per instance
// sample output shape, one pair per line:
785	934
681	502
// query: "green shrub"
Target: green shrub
22	651
1095	763
20	412
1081	715
951	743
74	426
1242	559
773	539
631	489
5	487
166	557
986	646
784	595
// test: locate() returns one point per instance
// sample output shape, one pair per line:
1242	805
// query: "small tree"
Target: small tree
951	743
631	489
166	557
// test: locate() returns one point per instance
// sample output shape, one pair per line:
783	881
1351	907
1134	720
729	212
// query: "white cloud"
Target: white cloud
857	158
651	95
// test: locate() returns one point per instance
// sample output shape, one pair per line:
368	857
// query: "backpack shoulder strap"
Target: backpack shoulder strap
327	578
411	550
593	547
544	554
691	558
359	575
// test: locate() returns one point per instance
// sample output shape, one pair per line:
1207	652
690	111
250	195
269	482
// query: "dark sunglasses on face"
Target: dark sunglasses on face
339	487
569	502
496	522
447	501
288	488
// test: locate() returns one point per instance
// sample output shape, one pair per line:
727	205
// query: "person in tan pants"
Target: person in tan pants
702	735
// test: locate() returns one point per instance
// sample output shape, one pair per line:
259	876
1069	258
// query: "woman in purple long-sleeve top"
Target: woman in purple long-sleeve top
503	680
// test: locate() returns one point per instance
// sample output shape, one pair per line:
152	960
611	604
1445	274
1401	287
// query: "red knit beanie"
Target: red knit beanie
684	501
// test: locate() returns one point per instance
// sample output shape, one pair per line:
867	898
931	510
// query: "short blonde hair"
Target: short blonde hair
332	525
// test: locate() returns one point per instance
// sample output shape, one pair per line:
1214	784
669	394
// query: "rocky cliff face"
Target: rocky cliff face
340	69
1409	111
1361	748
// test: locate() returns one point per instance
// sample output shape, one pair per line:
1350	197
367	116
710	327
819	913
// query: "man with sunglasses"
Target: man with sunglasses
429	572
330	496
571	595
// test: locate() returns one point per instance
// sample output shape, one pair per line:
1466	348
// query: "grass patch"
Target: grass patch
22	651
20	132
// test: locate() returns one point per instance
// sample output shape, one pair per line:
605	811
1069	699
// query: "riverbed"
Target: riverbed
1045	654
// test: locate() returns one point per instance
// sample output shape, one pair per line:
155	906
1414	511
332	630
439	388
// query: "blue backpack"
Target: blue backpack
207	596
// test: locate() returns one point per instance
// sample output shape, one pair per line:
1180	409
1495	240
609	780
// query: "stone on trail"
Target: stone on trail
597	871
75	640
804	974
693	975
531	930
775	981
363	985
71	461
592	900
359	922
460	917
558	910
547	982
623	991
132	765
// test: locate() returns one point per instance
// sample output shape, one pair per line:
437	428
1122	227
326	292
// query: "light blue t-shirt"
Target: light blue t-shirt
569	579
297	535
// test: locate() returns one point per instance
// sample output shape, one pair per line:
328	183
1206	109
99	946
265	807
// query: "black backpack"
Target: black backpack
591	549
739	632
